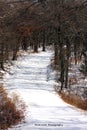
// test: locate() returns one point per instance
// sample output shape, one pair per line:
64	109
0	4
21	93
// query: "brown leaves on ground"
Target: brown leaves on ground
11	111
74	100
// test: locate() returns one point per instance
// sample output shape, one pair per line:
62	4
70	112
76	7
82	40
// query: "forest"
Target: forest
31	24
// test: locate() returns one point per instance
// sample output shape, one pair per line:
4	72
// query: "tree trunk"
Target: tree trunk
2	66
62	67
15	50
56	55
35	47
67	62
2	56
44	40
24	44
66	73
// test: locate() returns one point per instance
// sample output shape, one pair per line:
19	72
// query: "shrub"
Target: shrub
74	100
11	110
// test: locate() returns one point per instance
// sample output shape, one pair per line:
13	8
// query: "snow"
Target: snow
34	80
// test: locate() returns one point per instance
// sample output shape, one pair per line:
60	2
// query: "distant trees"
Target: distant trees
62	23
67	20
3	34
12	37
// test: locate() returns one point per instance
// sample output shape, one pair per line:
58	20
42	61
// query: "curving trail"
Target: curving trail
34	80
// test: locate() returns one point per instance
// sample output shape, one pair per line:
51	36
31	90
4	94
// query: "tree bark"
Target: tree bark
44	40
35	47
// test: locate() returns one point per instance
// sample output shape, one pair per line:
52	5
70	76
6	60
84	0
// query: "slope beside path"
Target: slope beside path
34	80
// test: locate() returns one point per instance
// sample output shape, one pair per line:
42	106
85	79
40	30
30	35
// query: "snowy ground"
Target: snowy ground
34	81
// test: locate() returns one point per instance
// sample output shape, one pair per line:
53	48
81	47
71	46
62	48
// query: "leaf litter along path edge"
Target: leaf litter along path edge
34	80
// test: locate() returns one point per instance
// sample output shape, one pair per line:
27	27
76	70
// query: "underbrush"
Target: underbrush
74	100
11	110
76	91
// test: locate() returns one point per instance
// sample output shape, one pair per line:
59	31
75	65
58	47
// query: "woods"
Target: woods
34	24
61	23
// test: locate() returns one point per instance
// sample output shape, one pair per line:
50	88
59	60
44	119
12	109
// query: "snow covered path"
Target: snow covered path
34	81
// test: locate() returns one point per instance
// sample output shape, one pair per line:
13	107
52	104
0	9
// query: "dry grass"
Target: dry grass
74	100
10	114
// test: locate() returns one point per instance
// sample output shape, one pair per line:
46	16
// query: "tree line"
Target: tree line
61	23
